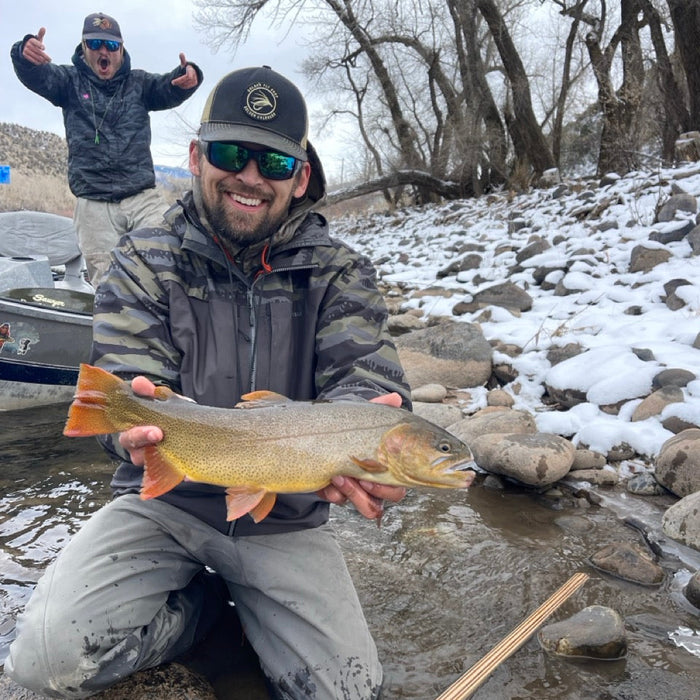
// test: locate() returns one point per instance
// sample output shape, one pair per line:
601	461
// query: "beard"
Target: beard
234	227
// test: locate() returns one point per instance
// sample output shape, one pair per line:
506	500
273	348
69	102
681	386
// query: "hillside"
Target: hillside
38	163
28	151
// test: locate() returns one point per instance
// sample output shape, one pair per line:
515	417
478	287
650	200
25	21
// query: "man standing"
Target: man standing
105	107
241	289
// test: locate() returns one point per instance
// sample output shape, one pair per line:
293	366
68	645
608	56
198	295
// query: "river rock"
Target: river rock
600	477
673	376
655	403
692	590
536	459
441	414
596	632
586	377
429	393
681	521
499	397
587	459
629	562
678	202
644	484
493	420
507	295
694	239
645	258
677	424
671	232
451	354
678	463
404	323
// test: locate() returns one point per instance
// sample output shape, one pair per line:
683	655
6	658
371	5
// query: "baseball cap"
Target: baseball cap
260	106
101	26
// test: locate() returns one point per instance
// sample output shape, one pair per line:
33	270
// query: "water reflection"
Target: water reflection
49	484
447	577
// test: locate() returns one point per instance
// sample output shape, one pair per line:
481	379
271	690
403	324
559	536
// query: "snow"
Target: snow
616	315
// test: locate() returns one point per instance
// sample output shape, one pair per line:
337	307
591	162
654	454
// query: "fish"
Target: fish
269	444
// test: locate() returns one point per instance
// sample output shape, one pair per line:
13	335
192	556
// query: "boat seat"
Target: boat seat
40	234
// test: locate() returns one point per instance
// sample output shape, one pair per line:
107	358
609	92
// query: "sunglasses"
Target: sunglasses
233	157
96	44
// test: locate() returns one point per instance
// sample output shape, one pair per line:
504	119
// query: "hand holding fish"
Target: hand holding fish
135	439
367	496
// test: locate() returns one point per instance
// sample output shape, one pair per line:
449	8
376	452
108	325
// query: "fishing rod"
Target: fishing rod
464	686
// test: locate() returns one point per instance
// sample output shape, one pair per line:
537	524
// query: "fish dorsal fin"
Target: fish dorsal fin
370	465
242	500
160	475
263	399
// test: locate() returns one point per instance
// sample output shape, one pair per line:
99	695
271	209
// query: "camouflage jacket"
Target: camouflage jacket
107	125
312	324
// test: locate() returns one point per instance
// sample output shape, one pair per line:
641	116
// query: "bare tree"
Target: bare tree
685	15
531	147
677	117
619	107
417	78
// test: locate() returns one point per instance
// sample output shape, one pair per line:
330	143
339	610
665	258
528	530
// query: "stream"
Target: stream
447	576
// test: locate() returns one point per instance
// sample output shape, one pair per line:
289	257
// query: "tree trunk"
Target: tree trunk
677	117
618	147
490	151
685	15
528	140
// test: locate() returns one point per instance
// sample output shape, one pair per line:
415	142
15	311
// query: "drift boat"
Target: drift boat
45	310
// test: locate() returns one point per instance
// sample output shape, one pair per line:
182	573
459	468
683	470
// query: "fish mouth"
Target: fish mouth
458	475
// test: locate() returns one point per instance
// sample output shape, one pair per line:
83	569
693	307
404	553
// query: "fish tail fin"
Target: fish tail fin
89	413
160	475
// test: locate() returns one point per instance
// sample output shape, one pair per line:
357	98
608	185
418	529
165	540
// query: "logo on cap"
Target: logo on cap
261	102
102	23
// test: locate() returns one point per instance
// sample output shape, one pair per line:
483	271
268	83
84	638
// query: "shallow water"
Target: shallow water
447	576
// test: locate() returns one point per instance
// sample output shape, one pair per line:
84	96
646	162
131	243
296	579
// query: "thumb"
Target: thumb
40	34
183	60
393	399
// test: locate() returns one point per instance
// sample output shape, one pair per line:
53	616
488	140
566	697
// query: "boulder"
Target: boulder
537	460
596	632
452	354
678	463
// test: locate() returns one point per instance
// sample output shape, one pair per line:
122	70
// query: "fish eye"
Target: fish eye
445	447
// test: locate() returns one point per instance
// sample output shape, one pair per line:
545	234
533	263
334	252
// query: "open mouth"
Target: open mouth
104	63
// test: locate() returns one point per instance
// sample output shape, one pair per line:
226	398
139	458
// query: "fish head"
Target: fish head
418	453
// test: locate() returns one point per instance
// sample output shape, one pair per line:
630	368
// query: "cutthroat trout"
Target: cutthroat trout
278	446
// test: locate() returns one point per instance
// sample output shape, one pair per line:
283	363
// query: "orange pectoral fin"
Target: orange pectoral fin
240	500
159	475
370	465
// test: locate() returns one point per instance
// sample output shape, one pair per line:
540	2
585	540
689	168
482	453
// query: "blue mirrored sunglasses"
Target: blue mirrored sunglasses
232	157
96	44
